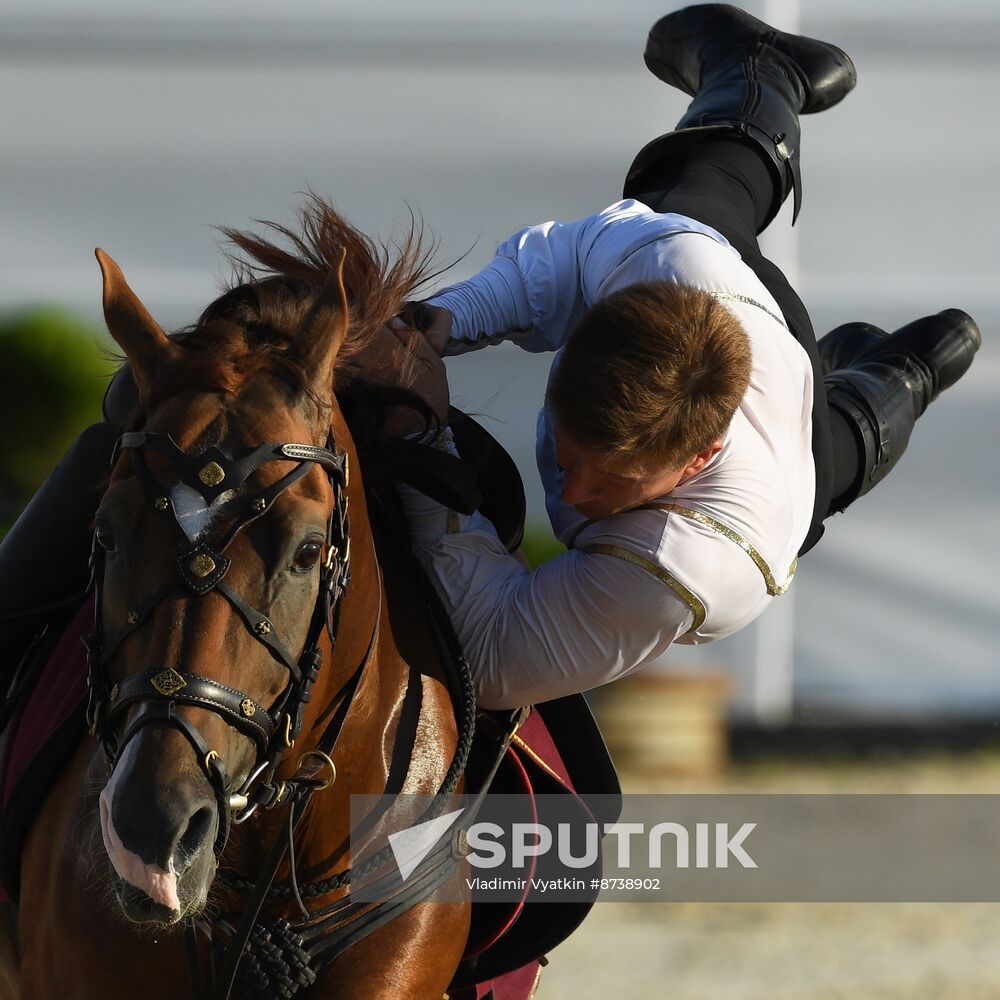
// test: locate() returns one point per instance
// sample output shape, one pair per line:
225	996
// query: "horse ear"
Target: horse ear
316	345
142	339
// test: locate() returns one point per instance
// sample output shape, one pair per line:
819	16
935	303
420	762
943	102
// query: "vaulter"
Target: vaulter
694	436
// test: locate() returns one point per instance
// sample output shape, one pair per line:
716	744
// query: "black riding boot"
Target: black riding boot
888	380
846	345
44	558
747	79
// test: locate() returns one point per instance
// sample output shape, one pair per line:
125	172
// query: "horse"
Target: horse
234	670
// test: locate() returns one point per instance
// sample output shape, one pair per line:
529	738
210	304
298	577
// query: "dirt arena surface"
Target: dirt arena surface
794	951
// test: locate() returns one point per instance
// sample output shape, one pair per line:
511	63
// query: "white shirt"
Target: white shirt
635	582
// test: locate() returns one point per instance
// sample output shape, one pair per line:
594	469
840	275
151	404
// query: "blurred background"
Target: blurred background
138	128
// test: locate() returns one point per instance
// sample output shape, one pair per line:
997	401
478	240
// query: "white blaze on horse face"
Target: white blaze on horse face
193	515
159	885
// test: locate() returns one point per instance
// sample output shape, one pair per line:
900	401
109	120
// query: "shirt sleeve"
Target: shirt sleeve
530	293
576	622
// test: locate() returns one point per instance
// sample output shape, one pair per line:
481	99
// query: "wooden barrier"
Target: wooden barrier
660	723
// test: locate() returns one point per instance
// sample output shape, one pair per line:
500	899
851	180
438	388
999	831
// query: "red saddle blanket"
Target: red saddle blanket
558	749
45	727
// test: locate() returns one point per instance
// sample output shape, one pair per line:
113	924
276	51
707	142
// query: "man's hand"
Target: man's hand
398	355
436	327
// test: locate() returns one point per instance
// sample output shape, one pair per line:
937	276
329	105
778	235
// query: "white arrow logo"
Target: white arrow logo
412	845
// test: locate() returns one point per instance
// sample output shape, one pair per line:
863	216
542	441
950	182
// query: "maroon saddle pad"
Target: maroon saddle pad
46	726
559	750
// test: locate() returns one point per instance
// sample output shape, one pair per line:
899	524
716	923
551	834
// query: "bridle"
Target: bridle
201	569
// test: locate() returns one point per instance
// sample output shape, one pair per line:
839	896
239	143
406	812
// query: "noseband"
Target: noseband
201	568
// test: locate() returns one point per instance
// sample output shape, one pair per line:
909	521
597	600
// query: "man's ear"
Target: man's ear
701	459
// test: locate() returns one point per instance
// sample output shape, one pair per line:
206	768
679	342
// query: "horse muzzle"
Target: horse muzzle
159	820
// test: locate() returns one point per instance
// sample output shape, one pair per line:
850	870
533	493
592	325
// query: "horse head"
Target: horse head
221	546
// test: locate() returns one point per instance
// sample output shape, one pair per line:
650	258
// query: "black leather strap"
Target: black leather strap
240	711
261	628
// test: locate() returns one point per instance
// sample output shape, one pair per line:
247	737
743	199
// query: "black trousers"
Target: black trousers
724	183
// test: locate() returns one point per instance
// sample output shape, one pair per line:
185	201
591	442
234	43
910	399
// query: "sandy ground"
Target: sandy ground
883	951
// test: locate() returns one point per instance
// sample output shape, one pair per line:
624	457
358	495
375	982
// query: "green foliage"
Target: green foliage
539	546
53	375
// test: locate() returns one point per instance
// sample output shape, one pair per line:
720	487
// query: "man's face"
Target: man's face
596	492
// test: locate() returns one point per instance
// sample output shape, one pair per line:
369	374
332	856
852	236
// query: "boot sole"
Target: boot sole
829	81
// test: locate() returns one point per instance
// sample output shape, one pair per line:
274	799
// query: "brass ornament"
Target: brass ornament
202	565
133	617
259	506
212	474
263	627
161	503
113	694
168	682
248	708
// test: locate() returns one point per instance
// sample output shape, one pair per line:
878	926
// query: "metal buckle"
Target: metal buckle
325	759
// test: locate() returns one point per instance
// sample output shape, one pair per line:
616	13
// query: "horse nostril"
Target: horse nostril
193	839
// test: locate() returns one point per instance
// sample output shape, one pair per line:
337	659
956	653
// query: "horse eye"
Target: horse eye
307	556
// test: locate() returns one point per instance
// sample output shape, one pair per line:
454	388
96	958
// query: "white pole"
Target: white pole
767	649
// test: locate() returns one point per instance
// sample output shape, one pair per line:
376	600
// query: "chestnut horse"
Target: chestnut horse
234	672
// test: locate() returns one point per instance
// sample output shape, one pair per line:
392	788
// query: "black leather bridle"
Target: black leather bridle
326	932
201	568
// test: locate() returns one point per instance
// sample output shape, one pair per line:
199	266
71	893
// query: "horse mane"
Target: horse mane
276	281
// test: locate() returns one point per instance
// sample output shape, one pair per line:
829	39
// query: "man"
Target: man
694	436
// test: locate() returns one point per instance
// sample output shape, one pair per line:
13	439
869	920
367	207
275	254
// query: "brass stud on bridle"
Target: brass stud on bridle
248	708
212	474
168	682
202	565
161	503
263	627
132	618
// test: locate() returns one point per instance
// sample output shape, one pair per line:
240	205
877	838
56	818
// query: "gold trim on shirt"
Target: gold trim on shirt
736	297
773	587
687	596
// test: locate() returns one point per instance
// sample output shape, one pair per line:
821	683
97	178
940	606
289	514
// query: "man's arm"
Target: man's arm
530	293
577	622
